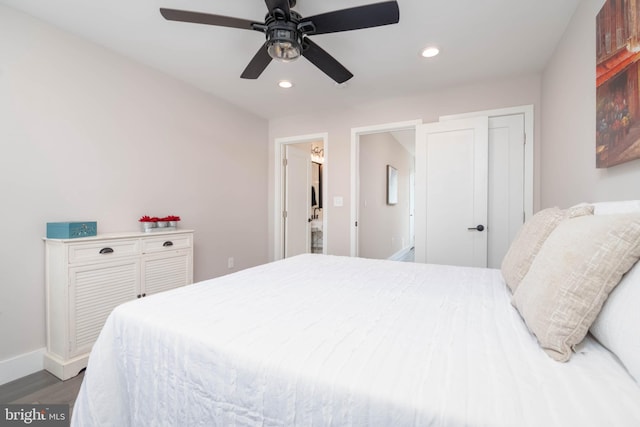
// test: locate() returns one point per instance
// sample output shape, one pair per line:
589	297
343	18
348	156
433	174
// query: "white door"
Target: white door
297	200
506	184
451	192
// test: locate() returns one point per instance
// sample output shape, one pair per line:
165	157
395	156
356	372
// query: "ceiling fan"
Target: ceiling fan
287	32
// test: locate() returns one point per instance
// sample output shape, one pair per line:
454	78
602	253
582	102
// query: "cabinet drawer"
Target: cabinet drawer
103	251
166	243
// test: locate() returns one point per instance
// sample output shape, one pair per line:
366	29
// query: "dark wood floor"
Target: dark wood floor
41	388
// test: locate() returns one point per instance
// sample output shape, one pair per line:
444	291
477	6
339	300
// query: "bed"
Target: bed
320	340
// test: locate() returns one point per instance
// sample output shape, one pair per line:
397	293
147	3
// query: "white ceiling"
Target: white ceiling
478	39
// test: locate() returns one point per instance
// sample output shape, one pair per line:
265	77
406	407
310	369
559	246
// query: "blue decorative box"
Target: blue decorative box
71	230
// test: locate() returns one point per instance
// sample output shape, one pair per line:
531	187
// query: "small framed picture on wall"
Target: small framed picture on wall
392	185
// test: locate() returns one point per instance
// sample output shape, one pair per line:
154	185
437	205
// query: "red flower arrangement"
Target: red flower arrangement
147	218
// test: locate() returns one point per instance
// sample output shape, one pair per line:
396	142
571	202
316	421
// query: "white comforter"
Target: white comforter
333	341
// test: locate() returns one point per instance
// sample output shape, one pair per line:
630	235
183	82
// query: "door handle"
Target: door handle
480	227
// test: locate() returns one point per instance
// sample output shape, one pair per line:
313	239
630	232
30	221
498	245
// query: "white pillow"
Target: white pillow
625	206
617	326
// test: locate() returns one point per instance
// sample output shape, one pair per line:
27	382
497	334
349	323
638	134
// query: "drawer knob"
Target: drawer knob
106	251
167	243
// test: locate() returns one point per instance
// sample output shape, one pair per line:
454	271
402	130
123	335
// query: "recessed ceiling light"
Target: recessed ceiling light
430	52
285	84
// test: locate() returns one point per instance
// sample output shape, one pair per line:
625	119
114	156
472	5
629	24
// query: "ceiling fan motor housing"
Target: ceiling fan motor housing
284	40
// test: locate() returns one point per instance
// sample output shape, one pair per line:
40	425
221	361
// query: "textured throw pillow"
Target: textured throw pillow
577	267
530	238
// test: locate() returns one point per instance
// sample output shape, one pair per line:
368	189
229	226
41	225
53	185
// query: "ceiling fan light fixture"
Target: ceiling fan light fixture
284	45
285	84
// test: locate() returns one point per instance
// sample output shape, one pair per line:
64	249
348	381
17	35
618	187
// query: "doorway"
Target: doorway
381	228
519	208
300	222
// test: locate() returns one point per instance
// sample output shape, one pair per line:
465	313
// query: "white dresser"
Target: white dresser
87	278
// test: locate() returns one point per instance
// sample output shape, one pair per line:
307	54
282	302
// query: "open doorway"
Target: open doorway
383	227
301	188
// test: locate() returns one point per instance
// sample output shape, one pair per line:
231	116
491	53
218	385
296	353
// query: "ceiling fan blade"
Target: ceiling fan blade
257	64
327	63
206	18
283	5
355	18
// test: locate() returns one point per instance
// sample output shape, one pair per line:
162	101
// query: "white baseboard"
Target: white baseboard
400	254
22	365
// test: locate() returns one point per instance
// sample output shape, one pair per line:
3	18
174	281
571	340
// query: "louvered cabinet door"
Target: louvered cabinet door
165	271
94	291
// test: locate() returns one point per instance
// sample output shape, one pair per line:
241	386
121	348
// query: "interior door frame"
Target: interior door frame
355	168
527	111
278	205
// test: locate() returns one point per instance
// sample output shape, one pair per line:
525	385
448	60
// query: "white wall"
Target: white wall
428	107
569	173
383	229
86	134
